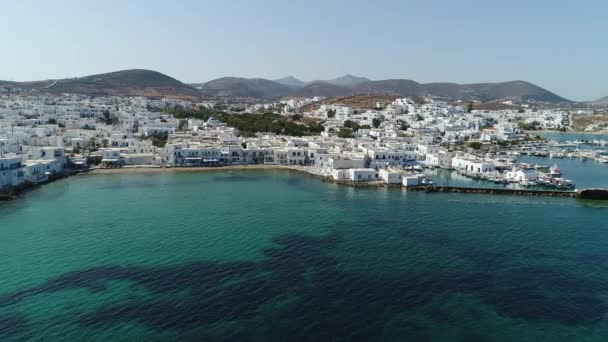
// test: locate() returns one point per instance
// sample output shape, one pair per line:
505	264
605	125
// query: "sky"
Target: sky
561	45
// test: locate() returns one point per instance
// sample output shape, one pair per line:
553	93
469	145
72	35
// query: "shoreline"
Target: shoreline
567	132
583	193
156	170
601	194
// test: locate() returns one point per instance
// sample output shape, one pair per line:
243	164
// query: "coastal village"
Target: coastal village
45	137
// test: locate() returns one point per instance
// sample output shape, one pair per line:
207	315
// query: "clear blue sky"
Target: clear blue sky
558	44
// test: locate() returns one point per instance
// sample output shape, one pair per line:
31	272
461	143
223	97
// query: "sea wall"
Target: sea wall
591	194
594	194
514	192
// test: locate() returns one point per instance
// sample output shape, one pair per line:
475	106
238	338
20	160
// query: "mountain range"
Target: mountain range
601	102
346	81
139	82
135	82
349	85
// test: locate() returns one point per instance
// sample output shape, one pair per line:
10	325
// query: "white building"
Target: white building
472	165
390	176
362	175
522	176
12	172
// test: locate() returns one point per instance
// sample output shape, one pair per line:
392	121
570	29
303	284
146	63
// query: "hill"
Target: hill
515	90
582	122
266	89
360	101
245	87
347	80
291	81
135	82
321	88
601	102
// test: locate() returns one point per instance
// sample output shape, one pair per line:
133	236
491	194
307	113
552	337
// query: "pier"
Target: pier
491	191
590	194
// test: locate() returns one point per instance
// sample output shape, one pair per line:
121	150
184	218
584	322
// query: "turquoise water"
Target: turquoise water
561	136
585	173
276	256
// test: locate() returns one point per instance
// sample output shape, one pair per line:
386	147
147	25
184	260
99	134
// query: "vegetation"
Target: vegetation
489	123
345	133
182	125
249	124
404	126
532	126
51	122
376	122
352	125
158	140
108	119
470	107
331	113
476	145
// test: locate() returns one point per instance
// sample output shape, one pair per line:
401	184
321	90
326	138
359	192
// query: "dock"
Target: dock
590	194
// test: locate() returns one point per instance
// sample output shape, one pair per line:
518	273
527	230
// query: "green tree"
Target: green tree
404	126
376	122
159	140
182	125
107	118
470	107
476	145
345	133
532	126
351	124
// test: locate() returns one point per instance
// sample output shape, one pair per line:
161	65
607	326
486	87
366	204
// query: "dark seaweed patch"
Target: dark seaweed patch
12	327
329	304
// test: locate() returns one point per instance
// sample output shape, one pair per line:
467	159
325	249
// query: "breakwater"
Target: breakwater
491	191
591	194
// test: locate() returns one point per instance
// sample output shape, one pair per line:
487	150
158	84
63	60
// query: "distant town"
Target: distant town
44	137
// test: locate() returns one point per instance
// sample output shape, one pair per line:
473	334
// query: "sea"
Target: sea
283	256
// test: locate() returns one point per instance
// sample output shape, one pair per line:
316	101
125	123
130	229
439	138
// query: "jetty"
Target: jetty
496	191
590	194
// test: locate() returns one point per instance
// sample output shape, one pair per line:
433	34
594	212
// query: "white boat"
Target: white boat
426	181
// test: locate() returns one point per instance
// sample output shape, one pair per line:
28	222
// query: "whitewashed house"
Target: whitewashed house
12	172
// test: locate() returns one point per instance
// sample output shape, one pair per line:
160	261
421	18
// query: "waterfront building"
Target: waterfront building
12	172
